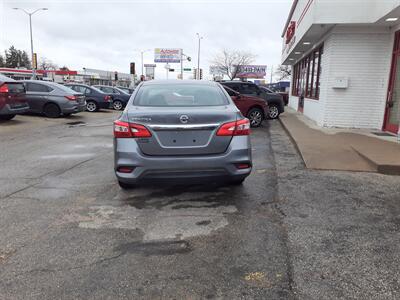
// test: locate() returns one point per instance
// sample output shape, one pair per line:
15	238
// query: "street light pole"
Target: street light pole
141	54
181	64
30	30
198	56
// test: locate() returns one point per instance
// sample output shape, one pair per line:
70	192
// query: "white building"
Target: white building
346	62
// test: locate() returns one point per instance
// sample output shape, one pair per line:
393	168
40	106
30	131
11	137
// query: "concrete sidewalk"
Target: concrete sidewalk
331	149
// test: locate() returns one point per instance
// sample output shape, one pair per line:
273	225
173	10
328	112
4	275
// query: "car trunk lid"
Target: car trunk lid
13	94
183	130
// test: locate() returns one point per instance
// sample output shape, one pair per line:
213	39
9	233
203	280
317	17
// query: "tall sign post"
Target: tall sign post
167	55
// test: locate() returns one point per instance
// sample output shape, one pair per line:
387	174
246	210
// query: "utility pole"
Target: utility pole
198	56
141	55
181	64
30	30
272	71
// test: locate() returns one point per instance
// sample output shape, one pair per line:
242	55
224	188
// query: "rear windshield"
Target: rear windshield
174	95
63	88
15	87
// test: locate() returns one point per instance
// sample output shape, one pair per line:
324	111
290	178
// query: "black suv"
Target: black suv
120	98
95	99
274	100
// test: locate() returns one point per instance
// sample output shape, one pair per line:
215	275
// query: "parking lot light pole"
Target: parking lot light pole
198	56
30	29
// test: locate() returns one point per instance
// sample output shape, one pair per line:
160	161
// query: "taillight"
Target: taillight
125	169
139	130
130	130
71	98
4	88
242	166
107	98
241	127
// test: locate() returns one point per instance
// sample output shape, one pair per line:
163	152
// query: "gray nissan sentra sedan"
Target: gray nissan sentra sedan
184	131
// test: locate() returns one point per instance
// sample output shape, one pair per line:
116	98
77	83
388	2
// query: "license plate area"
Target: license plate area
195	138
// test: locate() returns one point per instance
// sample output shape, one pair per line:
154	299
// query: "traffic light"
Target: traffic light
116	76
201	73
133	68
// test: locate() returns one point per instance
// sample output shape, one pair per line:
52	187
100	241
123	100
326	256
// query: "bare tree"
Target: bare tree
46	64
283	72
229	61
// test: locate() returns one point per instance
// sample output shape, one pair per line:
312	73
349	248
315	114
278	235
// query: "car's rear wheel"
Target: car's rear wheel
125	186
117	105
92	106
6	117
273	111
51	110
256	116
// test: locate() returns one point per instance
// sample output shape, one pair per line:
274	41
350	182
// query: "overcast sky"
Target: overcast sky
109	34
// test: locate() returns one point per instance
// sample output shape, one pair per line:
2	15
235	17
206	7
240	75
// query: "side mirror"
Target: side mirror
238	96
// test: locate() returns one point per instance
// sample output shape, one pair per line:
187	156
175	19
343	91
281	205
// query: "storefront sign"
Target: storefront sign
164	55
252	71
290	32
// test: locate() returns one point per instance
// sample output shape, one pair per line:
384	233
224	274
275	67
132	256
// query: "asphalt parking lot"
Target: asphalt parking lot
67	231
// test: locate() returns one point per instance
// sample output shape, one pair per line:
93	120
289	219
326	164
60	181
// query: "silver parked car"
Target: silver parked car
53	99
181	130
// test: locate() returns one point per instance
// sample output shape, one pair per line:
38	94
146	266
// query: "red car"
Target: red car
12	98
253	108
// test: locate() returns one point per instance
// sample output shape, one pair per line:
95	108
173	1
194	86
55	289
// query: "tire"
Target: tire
67	115
118	105
125	186
6	117
273	111
51	110
92	106
256	117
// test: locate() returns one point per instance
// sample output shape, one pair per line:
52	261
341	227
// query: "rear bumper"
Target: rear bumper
181	168
72	108
9	110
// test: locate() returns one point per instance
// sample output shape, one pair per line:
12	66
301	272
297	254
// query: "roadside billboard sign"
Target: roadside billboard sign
167	55
216	70
252	71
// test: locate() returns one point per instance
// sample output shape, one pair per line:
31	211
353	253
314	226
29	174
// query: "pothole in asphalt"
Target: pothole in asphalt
155	248
76	124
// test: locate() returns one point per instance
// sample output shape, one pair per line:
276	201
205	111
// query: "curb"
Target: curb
381	169
293	141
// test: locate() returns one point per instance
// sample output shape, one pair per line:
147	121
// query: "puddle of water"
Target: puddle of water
155	248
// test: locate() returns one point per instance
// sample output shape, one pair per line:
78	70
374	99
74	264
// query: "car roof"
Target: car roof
73	83
5	78
49	83
236	81
176	82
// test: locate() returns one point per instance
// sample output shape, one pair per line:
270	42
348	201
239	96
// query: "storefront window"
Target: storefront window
307	74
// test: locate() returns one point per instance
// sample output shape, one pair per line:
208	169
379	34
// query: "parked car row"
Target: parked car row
274	100
54	100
